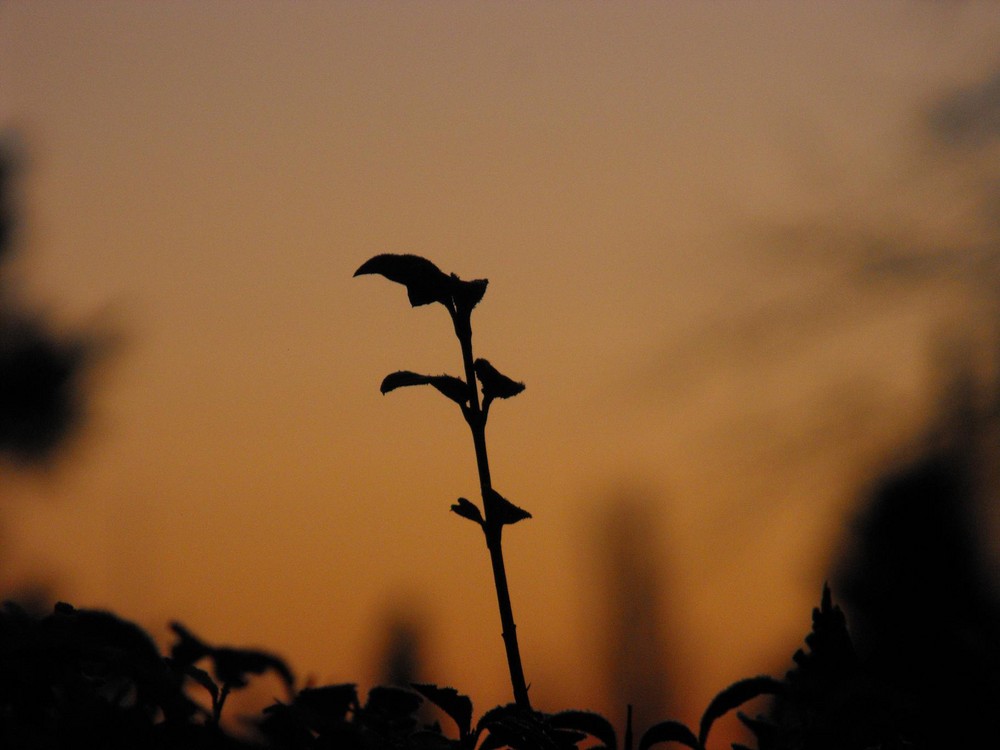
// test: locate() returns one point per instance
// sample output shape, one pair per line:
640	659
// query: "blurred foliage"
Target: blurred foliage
40	371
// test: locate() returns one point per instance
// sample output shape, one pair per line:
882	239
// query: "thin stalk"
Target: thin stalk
492	528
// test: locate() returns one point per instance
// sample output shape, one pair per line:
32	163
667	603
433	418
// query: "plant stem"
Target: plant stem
493	527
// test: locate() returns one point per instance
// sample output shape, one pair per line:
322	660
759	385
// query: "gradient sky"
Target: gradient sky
723	241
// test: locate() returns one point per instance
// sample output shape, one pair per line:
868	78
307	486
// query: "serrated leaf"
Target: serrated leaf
669	731
452	387
495	383
587	722
734	696
507	512
449	700
425	282
467	509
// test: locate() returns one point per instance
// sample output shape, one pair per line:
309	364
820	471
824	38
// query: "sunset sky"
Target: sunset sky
725	244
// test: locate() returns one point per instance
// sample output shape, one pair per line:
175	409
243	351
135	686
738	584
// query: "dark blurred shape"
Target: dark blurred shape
923	613
634	658
969	116
39	388
401	659
40	371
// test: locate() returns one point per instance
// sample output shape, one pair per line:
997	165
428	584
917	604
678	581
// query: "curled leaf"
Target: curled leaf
467	509
425	282
452	387
495	383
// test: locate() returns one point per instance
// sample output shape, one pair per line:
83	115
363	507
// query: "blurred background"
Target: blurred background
744	256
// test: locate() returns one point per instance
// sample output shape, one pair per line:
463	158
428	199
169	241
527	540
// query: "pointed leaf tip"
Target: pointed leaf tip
507	511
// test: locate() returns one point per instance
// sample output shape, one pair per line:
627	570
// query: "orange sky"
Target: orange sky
678	207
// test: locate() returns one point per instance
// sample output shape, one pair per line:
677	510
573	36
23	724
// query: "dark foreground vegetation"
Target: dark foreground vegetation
85	678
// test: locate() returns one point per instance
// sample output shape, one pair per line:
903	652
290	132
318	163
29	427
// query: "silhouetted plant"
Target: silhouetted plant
425	283
87	678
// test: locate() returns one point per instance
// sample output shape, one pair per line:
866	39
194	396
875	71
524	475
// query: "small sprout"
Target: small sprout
426	283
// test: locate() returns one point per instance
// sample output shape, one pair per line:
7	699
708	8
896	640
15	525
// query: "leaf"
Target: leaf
424	282
507	512
495	383
467	509
449	700
669	731
587	722
452	387
734	696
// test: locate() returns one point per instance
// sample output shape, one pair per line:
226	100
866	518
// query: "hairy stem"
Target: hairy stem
493	528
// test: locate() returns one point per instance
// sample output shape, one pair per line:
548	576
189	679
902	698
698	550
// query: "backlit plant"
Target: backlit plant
426	284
